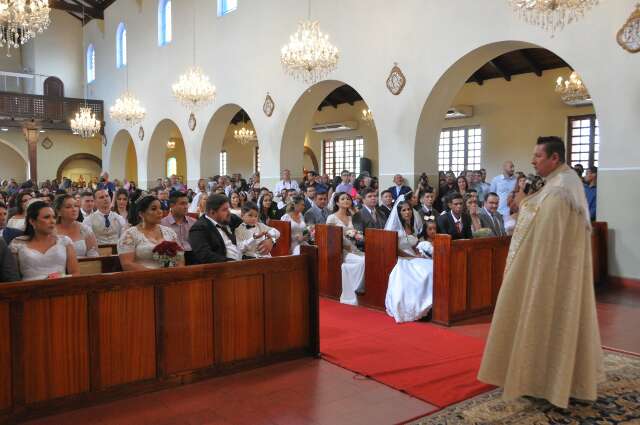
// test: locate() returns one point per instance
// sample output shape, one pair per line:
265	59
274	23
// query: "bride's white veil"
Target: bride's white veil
394	224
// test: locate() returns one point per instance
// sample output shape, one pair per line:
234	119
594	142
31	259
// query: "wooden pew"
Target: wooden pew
600	252
381	255
108	249
467	275
283	245
329	243
98	265
70	342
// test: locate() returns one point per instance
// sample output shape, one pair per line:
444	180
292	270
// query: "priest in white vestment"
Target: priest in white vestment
544	339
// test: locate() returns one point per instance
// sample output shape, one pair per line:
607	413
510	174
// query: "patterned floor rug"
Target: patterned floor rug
618	403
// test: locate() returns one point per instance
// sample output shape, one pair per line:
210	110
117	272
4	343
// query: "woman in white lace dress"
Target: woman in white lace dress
67	211
41	253
18	220
135	247
353	259
410	289
294	215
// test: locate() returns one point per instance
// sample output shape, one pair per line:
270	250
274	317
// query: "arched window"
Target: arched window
164	22
172	166
91	64
121	46
226	6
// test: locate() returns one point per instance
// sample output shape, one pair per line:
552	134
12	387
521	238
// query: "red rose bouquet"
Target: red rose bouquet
167	253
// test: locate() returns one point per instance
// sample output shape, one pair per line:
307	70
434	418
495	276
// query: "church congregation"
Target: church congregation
415	213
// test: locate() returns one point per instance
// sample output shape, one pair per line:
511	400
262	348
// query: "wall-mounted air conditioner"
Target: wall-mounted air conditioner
460	111
335	126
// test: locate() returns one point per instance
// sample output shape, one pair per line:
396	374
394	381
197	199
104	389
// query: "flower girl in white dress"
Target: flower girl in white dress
353	259
410	289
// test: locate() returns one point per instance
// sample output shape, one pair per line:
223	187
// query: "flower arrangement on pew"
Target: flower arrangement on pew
309	232
425	248
354	235
167	253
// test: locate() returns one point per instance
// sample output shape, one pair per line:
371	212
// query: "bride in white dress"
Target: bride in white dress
41	254
410	289
135	247
294	215
67	211
353	259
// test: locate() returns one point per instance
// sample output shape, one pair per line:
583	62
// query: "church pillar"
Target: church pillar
31	133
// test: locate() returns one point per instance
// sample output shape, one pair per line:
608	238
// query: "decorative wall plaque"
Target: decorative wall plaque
47	143
396	80
141	133
192	122
268	106
629	34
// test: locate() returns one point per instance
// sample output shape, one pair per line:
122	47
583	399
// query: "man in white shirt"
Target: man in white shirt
503	185
286	182
86	204
107	225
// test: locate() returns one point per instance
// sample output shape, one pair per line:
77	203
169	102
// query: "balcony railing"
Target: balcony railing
50	112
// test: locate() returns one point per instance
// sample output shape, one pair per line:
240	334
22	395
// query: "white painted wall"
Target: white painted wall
240	52
65	144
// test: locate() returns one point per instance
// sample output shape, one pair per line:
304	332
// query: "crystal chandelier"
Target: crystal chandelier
367	116
244	135
552	15
309	56
21	20
127	110
85	124
572	91
193	89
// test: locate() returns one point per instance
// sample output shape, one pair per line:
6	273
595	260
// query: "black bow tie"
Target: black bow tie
249	226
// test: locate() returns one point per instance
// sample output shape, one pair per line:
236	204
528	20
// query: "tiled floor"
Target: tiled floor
314	391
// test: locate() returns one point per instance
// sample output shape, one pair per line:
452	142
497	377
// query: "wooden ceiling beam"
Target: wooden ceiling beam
531	63
476	78
503	73
89	12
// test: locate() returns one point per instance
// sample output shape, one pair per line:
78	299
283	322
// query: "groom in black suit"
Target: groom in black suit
212	237
455	222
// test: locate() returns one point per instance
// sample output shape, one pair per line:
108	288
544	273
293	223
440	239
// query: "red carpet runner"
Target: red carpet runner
425	361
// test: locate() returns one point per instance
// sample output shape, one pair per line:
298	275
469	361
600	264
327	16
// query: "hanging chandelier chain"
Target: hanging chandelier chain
552	15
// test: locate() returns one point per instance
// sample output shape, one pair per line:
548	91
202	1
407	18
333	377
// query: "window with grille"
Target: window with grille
164	22
91	64
256	160
583	141
226	6
121	46
460	149
223	163
342	154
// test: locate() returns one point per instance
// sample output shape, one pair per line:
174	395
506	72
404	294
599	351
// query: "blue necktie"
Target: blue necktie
107	223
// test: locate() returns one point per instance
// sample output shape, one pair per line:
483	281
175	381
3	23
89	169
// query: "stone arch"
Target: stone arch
444	92
79	157
21	170
157	151
123	159
301	118
214	137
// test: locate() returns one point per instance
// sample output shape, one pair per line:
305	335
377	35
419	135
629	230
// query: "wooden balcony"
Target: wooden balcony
47	112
